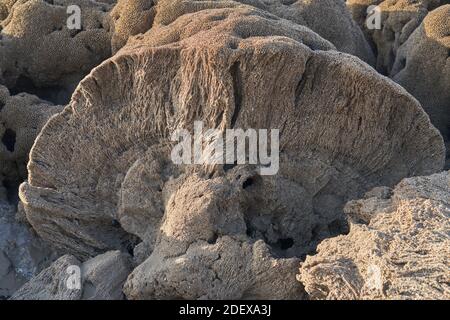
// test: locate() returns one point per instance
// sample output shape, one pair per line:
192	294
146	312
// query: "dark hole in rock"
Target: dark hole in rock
227	167
130	249
213	239
2	104
248	182
9	140
54	94
12	191
286	243
115	223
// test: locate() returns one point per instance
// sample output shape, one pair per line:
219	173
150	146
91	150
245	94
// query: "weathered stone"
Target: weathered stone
402	252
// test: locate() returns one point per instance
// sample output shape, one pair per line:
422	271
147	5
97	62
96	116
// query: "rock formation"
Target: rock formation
22	253
102	188
231	68
41	55
22	116
398	246
328	18
422	67
100	278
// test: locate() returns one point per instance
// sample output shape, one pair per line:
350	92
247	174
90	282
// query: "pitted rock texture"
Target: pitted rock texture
422	67
330	19
22	116
100	278
52	283
41	55
398	247
101	176
399	19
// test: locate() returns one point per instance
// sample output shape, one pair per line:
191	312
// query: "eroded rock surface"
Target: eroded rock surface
399	19
422	67
101	176
22	116
330	19
398	247
100	278
41	55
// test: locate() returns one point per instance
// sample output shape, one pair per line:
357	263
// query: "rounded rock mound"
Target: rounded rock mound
102	177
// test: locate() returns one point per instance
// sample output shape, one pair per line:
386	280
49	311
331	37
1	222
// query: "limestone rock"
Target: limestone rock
103	276
399	19
52	283
329	18
129	18
422	67
205	251
41	55
401	252
100	278
101	169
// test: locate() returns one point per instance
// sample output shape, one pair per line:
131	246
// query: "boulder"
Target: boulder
100	278
22	253
422	67
397	248
104	275
38	52
330	19
102	177
399	19
53	283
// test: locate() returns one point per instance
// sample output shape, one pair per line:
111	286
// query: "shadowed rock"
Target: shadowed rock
40	55
400	250
100	278
22	116
422	67
399	19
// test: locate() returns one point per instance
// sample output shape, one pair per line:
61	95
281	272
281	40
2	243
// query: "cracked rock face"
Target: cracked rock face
101	177
398	247
330	19
35	30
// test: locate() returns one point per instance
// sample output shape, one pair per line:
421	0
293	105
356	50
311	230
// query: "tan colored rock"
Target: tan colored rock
330	19
129	18
399	19
205	250
422	67
101	175
403	252
39	54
